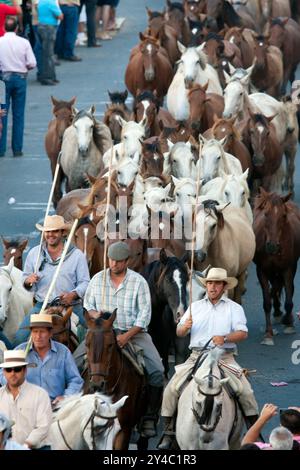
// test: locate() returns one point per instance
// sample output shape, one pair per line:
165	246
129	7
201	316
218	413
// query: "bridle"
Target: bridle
198	418
108	425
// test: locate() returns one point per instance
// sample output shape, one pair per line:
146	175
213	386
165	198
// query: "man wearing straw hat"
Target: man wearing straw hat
73	277
128	292
213	321
55	369
24	403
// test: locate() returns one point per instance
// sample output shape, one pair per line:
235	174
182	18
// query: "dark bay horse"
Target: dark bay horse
149	68
167	279
14	249
277	231
203	107
63	112
62	326
110	371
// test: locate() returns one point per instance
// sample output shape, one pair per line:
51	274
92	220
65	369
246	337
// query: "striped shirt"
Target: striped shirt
131	298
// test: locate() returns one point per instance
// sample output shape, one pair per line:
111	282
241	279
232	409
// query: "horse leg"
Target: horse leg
122	439
276	293
57	194
288	184
288	279
240	288
142	443
267	305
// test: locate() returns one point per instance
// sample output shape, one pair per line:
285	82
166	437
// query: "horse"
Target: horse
85	422
208	417
181	161
193	69
217	49
83	146
277	231
61	321
149	68
167	279
111	371
203	108
86	238
290	144
175	17
225	238
63	114
233	144
224	12
185	196
15	300
243	39
68	204
14	249
267	75
285	34
157	27
152	162
112	122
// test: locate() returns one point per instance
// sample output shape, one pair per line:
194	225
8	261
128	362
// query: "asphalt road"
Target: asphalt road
28	181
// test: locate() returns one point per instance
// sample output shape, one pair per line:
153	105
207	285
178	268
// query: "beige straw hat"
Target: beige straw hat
39	320
53	222
219	274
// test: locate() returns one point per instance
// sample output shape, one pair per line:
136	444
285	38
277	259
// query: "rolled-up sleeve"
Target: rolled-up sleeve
82	275
143	305
89	302
43	420
30	57
28	266
239	321
74	382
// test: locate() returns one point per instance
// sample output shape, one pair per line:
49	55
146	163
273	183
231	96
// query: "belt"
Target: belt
8	74
226	350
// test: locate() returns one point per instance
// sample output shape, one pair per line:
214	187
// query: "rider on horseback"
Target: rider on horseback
128	291
222	320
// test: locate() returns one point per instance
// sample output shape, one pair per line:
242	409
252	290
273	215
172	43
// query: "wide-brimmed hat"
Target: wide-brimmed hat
39	320
118	251
15	358
219	274
53	222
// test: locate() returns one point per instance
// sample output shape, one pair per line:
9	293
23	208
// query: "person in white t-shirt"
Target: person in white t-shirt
213	321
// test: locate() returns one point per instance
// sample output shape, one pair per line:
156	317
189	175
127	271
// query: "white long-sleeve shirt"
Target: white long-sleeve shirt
16	54
30	411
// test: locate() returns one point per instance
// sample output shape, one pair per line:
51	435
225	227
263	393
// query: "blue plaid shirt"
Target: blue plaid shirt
131	298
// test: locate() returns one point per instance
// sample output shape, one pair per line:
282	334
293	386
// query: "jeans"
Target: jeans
15	84
90	7
47	37
67	32
22	335
37	51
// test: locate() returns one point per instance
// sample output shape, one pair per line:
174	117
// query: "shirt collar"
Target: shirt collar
224	298
52	346
125	278
21	388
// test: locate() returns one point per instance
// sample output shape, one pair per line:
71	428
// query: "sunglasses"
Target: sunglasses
15	369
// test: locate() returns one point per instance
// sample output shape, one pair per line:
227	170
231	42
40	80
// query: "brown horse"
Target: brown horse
61	321
14	249
193	9
277	231
285	34
166	34
152	163
149	68
175	17
181	132
224	13
243	39
218	48
109	370
162	233
203	107
63	114
234	145
112	111
267	75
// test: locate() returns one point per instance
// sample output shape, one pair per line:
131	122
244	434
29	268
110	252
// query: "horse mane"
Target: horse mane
260	119
102	136
14	242
84	221
146	95
212	35
152	146
210	206
267	200
156	14
175	6
117	97
230	11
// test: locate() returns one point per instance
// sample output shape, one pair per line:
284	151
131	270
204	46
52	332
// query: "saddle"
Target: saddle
135	355
234	375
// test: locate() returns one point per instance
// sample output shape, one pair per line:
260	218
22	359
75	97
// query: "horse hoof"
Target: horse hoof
289	330
267	341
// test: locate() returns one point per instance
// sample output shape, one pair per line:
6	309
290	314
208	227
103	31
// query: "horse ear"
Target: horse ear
125	95
161	125
249	70
76	111
245	174
113	316
168	188
92	109
68	314
204	87
54	100
175	180
221	207
118	404
163	256
270	118
142	37
10	265
223	141
91	178
181	47
285	21
143	122
170	145
227	77
202	139
120	120
149	12
232	69
23	244
5	242
72	101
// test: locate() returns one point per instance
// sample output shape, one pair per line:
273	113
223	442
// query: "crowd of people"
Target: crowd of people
39	34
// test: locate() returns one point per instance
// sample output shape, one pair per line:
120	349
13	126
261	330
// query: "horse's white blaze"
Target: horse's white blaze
149	48
146	104
177	280
13	251
261	44
260	129
194	30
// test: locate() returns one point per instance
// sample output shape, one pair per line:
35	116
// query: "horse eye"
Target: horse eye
219	157
177	194
243	193
213	227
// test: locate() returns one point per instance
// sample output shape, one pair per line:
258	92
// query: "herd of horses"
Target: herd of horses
220	157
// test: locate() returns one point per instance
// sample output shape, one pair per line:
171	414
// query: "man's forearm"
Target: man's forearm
133	331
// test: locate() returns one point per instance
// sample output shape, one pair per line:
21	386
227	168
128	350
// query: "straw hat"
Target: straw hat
14	358
219	274
40	320
53	222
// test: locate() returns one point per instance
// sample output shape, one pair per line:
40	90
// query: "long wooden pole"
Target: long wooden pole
106	229
53	282
194	230
47	212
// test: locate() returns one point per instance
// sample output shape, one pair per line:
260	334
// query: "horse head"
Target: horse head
84	123
14	249
61	323
149	48
102	349
207	395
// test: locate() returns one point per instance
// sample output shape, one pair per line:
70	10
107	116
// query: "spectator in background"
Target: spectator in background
37	49
6	10
281	439
90	8
48	15
67	31
16	58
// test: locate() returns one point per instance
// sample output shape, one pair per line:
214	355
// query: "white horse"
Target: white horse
229	188
180	161
131	136
213	160
225	238
185	196
83	146
85	422
208	418
193	69
15	301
